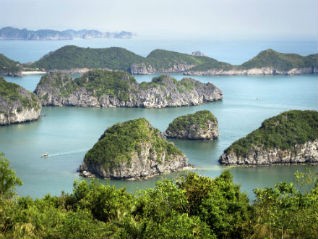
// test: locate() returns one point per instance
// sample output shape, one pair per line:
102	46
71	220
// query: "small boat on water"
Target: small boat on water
45	155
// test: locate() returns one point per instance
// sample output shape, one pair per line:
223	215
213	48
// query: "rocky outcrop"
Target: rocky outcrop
147	69
253	71
289	138
119	89
200	125
17	104
132	150
302	153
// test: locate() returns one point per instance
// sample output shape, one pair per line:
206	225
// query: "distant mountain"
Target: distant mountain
11	33
8	66
268	62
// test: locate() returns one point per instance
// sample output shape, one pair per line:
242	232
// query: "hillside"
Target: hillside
8	66
268	62
291	137
69	57
281	61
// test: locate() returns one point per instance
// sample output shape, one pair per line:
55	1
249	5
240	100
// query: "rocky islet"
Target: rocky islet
132	150
17	105
201	125
289	138
101	88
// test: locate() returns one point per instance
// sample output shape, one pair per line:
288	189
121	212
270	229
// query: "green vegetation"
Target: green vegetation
11	93
120	141
193	207
101	82
199	118
281	61
69	57
283	131
162	59
8	66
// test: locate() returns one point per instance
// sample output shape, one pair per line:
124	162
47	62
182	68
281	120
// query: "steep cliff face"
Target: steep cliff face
119	89
300	153
200	125
132	150
146	69
17	104
291	137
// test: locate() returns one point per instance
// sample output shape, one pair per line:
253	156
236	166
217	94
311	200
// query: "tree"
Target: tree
8	178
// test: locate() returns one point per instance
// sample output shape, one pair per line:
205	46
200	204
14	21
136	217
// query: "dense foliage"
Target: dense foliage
192	207
283	131
162	59
120	141
281	61
101	82
8	66
199	118
69	57
12	94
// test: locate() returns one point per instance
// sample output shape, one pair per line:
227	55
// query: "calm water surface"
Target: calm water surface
66	133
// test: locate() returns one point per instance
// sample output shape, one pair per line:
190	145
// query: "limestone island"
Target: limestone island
132	150
289	138
17	104
200	125
102	88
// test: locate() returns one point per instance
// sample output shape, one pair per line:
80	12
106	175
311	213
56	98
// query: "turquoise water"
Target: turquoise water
66	133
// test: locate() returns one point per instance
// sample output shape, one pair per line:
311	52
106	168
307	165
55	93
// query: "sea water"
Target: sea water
66	133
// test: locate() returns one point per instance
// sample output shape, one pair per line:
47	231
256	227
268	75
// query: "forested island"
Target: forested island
132	150
17	105
268	62
191	207
289	138
78	59
199	125
11	33
101	88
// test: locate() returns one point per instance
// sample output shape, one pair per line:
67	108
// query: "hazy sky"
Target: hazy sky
254	19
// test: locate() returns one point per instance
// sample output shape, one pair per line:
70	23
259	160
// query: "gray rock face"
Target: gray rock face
165	93
304	153
143	164
195	132
18	105
147	69
253	71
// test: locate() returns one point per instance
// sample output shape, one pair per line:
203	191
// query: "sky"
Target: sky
218	19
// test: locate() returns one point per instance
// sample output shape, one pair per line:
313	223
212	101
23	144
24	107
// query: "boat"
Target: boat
45	155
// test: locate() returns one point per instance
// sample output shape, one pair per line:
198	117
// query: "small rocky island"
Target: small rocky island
200	125
132	150
101	88
17	104
289	138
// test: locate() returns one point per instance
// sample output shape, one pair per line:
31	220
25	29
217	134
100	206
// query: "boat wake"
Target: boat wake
48	155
